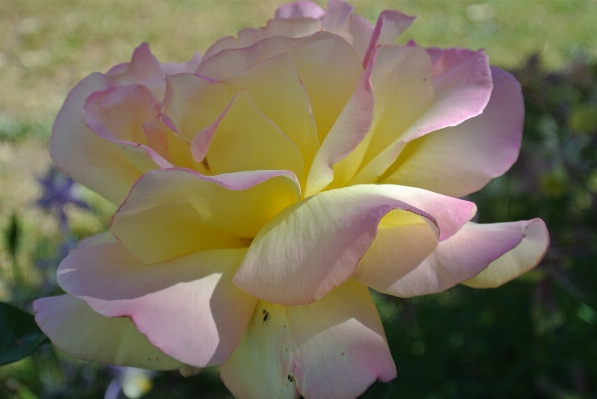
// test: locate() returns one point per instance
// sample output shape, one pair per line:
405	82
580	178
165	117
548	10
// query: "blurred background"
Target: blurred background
535	337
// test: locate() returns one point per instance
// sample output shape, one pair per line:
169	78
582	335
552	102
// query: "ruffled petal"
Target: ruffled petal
274	87
519	260
176	212
317	58
315	245
87	158
144	69
243	139
187	307
291	28
355	29
402	92
185	94
348	132
277	91
172	68
82	333
333	348
459	160
83	155
170	146
400	264
296	27
462	87
300	9
117	114
390	24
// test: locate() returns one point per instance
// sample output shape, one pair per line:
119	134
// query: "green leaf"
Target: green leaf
13	236
19	335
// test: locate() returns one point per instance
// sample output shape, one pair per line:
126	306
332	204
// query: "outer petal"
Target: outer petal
83	155
317	59
390	24
176	212
401	267
459	160
315	245
298	27
97	239
187	307
517	261
462	87
300	9
82	333
333	348
172	68
295	27
80	153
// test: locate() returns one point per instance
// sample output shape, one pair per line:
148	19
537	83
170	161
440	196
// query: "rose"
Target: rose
263	188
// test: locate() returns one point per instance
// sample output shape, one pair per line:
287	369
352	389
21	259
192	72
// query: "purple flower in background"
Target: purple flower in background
58	191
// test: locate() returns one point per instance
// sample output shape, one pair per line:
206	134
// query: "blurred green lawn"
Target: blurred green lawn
46	46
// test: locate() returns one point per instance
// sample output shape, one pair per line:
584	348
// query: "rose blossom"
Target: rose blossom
266	186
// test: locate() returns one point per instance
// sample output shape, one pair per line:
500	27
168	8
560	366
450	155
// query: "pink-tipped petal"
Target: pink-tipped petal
317	58
172	68
334	348
453	261
517	261
355	29
175	212
285	27
118	114
187	307
83	155
459	160
225	43
315	245
462	86
201	314
390	24
82	333
143	69
348	132
299	27
300	9
402	90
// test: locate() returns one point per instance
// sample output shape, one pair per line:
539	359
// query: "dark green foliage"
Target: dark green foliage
12	236
20	335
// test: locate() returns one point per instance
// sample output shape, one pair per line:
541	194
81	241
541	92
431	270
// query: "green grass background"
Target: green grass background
46	46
